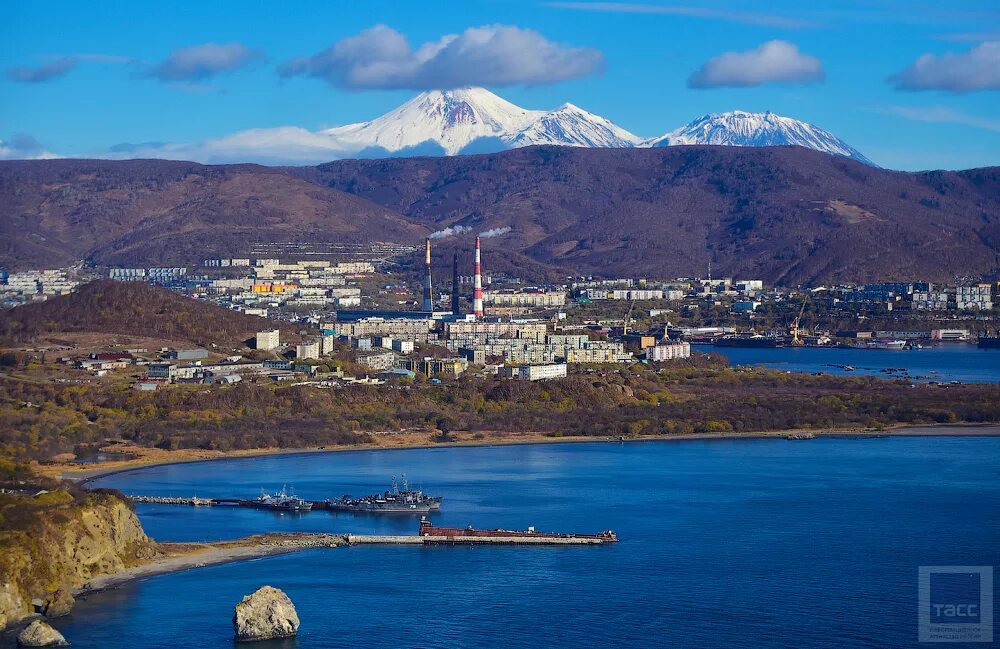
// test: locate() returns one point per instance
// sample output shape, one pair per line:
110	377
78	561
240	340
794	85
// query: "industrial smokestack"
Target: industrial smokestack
477	291
456	301
428	288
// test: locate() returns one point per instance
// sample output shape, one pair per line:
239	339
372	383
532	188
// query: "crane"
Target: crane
628	317
794	330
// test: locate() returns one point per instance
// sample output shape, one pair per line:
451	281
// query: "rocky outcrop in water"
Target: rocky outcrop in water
40	634
265	615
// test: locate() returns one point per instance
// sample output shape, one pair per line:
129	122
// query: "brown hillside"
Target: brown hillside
785	214
135	309
152	212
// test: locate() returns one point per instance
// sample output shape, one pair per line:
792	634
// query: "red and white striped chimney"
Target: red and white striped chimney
477	291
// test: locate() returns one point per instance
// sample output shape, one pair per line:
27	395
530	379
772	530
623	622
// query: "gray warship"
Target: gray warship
394	501
281	501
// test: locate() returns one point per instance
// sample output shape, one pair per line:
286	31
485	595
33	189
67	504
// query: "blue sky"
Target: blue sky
81	77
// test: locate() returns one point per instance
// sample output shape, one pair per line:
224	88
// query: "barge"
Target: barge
470	534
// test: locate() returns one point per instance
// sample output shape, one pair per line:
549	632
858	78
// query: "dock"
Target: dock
362	539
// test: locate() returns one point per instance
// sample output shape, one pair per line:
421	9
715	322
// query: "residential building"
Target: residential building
534	372
308	350
451	367
379	361
268	340
668	352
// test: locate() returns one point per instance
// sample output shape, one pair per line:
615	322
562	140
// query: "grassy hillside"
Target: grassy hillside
132	308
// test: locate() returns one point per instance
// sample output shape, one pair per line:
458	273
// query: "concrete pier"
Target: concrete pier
362	539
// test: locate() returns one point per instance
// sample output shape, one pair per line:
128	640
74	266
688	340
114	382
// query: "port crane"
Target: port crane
628	317
794	329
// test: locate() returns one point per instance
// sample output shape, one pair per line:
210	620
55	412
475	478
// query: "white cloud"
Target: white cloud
203	61
943	115
773	62
281	145
977	69
53	70
495	55
744	17
24	147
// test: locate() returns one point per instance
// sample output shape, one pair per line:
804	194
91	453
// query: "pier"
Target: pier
361	539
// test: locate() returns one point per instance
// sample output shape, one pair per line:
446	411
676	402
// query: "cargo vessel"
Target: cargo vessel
394	501
748	341
452	533
280	501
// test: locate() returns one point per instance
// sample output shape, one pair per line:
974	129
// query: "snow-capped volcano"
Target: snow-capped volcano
452	119
474	120
455	119
740	128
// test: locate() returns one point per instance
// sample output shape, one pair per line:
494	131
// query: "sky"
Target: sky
912	84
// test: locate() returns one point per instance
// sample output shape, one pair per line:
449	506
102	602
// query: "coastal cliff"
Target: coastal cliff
52	543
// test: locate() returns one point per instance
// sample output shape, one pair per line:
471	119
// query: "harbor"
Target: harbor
393	501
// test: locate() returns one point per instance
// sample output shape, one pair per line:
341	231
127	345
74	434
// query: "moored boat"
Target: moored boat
394	501
280	501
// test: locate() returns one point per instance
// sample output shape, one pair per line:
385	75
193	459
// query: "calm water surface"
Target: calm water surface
941	362
763	543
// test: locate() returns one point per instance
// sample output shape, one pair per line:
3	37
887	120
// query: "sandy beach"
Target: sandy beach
143	457
184	556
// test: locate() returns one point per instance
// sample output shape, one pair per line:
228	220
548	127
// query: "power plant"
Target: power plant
456	299
477	291
428	288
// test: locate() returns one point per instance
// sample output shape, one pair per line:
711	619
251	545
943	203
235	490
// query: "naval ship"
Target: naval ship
394	501
281	501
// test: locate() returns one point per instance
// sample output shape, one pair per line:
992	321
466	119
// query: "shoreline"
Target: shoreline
187	556
161	458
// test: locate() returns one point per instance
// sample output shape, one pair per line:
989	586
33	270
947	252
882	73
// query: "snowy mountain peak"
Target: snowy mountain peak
470	120
450	118
742	128
571	125
455	119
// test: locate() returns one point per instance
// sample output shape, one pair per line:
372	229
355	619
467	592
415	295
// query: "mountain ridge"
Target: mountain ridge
783	214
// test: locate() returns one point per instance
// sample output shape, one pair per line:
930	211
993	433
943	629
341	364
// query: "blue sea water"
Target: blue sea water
938	362
724	543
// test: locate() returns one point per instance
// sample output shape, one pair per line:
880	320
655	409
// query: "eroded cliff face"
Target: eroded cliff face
52	544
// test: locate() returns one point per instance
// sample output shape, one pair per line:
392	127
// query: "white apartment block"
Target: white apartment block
527	298
309	350
669	352
268	340
535	372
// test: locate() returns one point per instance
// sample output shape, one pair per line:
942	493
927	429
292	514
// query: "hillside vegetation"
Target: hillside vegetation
132	308
38	421
787	215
